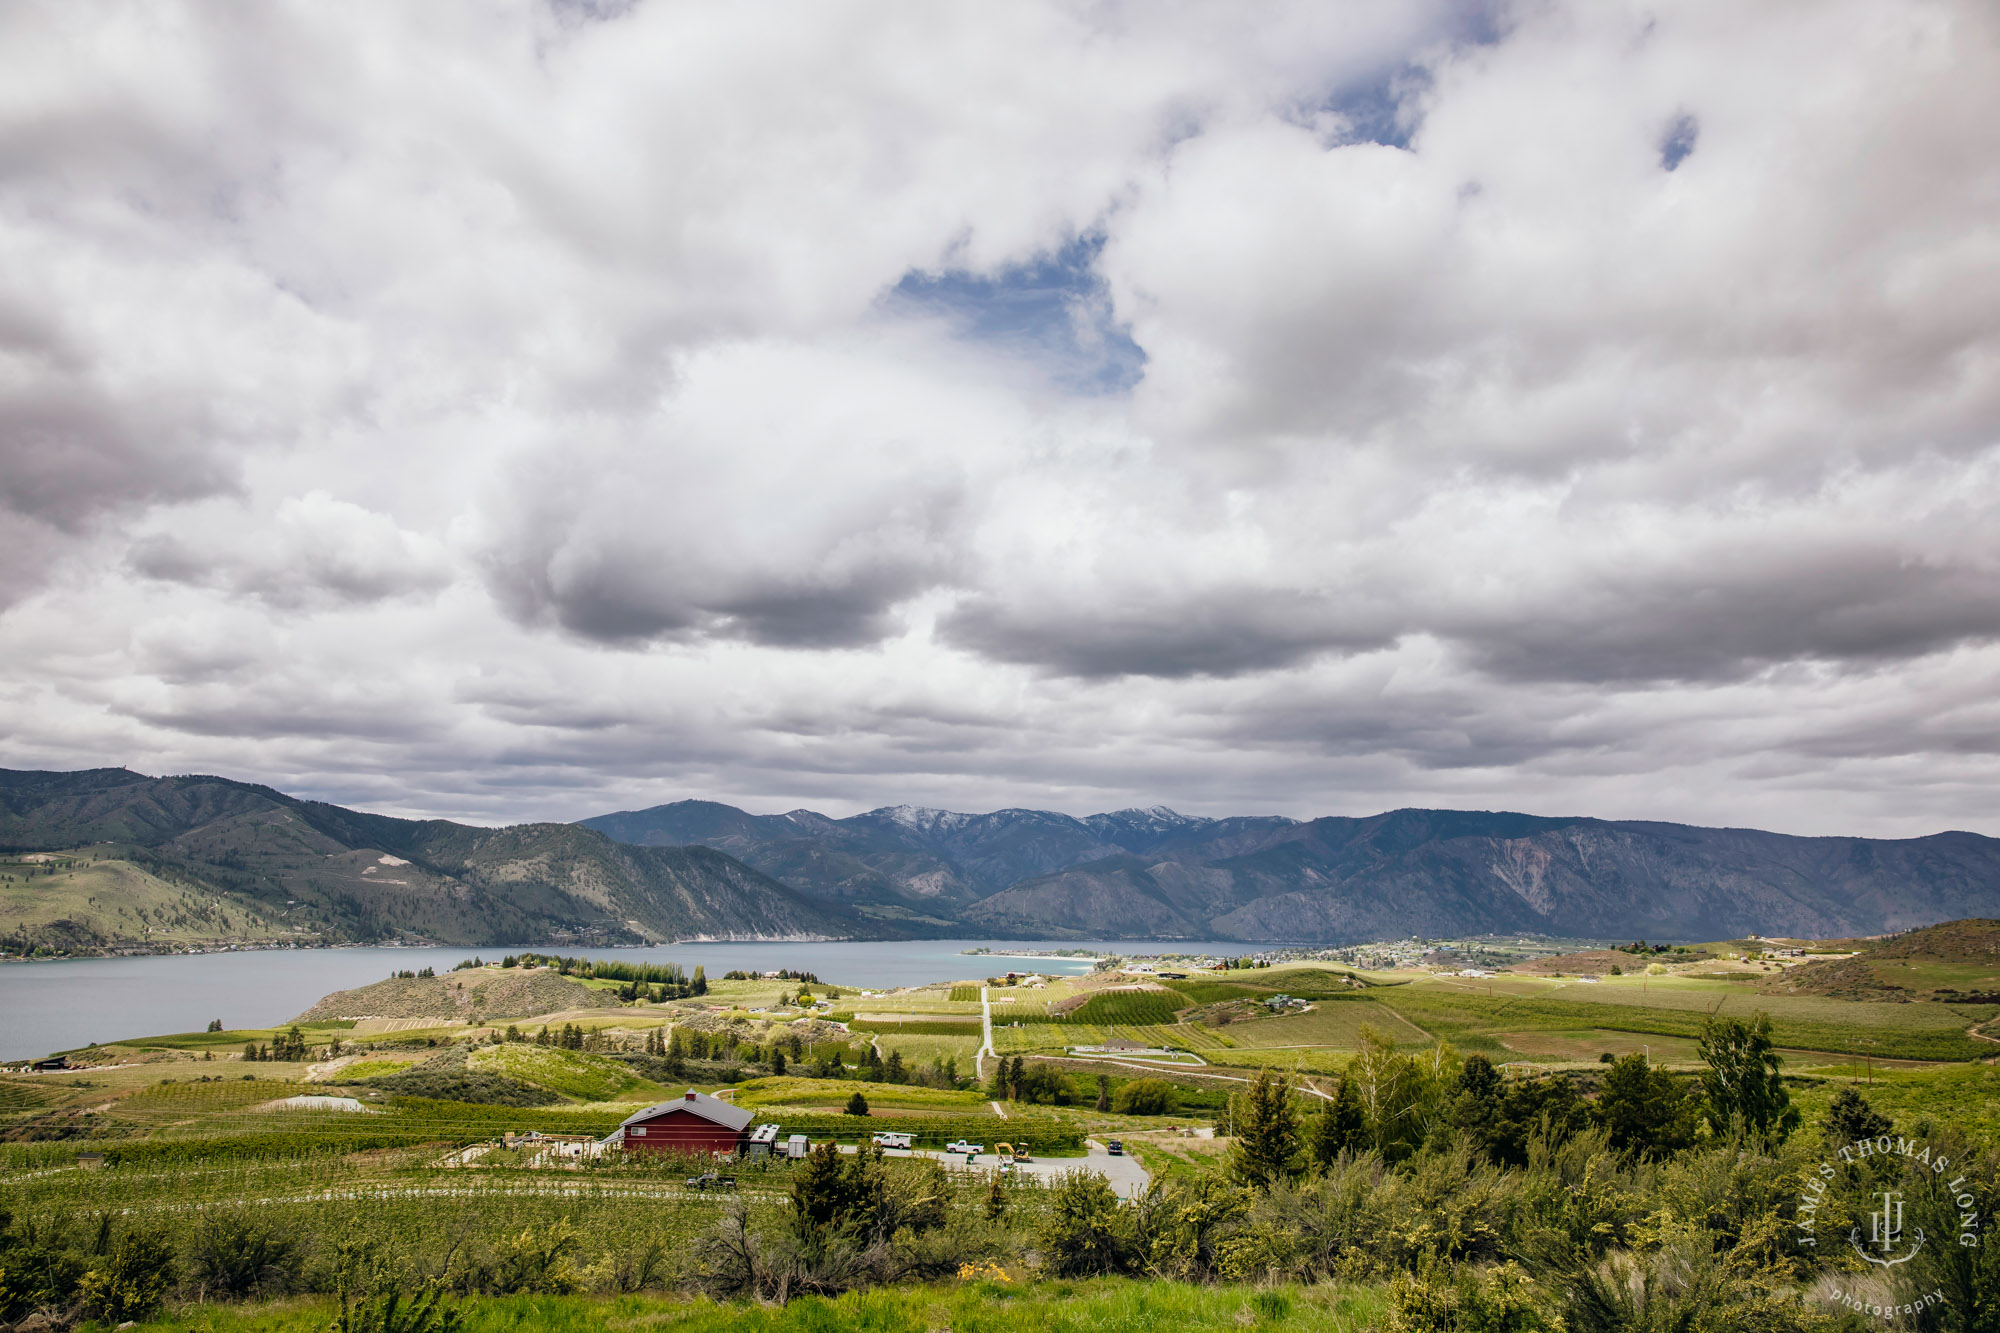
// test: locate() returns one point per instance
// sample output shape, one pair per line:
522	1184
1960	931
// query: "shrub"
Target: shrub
1187	1224
1504	1300
539	1261
235	1254
1145	1096
131	1281
1085	1232
389	1312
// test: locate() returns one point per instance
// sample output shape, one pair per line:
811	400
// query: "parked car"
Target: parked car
892	1140
1115	1147
969	1149
711	1181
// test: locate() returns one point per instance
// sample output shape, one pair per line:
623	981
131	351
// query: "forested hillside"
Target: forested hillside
317	873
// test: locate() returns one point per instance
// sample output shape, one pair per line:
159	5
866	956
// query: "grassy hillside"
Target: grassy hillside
1956	961
65	900
319	873
578	1074
486	993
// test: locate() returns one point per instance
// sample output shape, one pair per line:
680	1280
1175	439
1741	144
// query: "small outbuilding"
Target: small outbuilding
692	1123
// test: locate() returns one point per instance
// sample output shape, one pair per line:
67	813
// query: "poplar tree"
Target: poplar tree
1743	1078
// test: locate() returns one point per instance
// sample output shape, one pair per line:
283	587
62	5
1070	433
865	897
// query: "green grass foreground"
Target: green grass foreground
1110	1305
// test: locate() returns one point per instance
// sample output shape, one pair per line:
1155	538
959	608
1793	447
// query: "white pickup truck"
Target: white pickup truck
969	1149
892	1140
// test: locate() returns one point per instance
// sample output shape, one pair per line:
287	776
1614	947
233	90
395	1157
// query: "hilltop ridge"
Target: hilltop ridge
281	869
1156	873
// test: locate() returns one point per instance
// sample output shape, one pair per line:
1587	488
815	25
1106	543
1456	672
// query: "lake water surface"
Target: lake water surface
58	1006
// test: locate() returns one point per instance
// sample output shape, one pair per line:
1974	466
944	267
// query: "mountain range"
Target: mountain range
209	846
325	874
1162	875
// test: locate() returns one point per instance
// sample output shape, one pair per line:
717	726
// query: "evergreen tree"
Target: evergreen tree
676	1055
777	1060
857	1104
1647	1110
1743	1078
834	1193
893	1072
1341	1126
1850	1119
1504	1123
1267	1133
1103	1092
699	986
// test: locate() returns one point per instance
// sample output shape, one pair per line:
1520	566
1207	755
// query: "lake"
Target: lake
61	1005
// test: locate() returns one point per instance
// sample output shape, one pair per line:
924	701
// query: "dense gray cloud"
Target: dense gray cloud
523	410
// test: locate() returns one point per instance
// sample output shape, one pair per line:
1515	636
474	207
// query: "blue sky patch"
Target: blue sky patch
1679	140
1053	310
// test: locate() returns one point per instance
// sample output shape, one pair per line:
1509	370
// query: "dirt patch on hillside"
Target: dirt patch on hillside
491	996
1588	963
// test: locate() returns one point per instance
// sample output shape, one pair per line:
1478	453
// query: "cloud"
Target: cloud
317	551
523	410
785	495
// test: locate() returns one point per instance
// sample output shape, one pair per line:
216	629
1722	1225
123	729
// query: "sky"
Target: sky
509	411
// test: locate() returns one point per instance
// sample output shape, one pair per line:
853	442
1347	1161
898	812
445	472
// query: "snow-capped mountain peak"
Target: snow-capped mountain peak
920	818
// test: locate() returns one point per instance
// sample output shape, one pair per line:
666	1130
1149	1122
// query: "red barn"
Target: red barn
694	1123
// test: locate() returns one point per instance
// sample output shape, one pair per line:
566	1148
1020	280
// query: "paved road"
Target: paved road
1127	1178
986	1034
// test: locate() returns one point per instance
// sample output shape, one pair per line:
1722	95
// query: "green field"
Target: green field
922	1050
189	1131
579	1074
1103	1305
833	1091
1471	1015
1331	1023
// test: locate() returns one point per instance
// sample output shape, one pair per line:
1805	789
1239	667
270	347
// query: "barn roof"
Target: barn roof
712	1109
